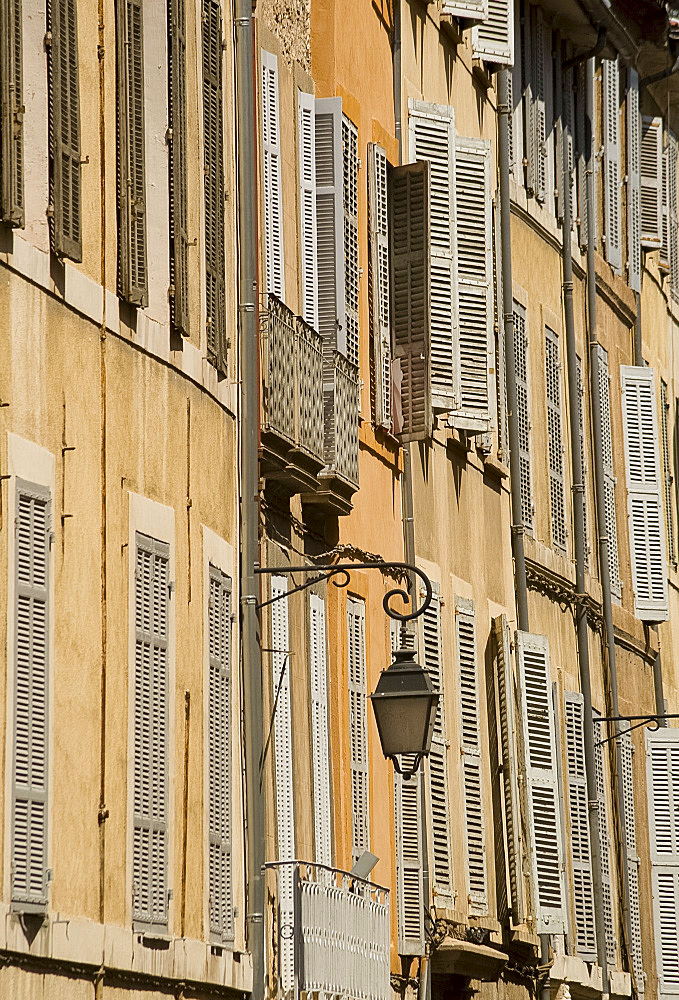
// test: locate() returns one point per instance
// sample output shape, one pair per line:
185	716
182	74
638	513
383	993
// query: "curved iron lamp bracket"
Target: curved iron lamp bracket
652	721
343	571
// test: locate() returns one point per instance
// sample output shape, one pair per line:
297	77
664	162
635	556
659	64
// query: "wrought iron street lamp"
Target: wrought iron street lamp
405	706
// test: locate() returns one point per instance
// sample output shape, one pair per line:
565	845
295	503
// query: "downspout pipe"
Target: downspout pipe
249	500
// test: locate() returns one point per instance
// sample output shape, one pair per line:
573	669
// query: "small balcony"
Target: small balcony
327	933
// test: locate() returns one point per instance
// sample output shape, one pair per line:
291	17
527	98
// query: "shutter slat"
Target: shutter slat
358	728
380	283
612	220
64	122
179	249
320	731
11	114
272	192
650	179
213	186
307	190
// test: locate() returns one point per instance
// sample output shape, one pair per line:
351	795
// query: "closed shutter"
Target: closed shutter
611	107
536	112
64	122
306	133
11	114
274	256
493	38
330	227
351	264
470	750
474	283
219	756
151	721
583	452
605	844
320	737
662	756
581	854
409	227
651	170
358	729
672	221
667	473
380	283
432	138
538	744
179	239
557	492
604	389
30	739
633	182
213	169
644	501
523	410
132	256
630	846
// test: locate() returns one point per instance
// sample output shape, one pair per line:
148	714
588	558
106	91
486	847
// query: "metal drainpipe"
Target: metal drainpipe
249	420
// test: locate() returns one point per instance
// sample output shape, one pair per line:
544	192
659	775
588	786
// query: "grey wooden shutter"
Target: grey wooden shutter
523	408
667	473
557	491
476	347
582	395
581	853
11	114
470	751
320	737
609	476
351	261
274	256
330	227
584	141
179	238
151	720
380	282
672	221
306	132
432	138
132	255
630	846
409	226
213	185
538	745
408	822
605	842
219	757
358	729
493	38
633	182
536	112
651	170
64	128
565	126
30	737
662	757
611	107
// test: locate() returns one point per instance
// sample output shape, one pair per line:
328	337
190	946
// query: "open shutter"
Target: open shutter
605	843
474	284
358	728
493	38
583	132
330	227
306	132
611	106
11	114
630	846
544	816
565	125
274	257
536	113
466	10
644	500
64	120
132	256
179	238
219	756
581	854
662	756
604	389
633	182
667	473
672	222
409	227
351	263
432	138
651	170
30	739
380	283
213	159
523	408
319	730
408	825
557	490
470	749
583	450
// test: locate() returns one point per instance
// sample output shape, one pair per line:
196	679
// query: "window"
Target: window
523	402
272	188
213	185
358	729
611	525
11	110
555	439
64	119
320	737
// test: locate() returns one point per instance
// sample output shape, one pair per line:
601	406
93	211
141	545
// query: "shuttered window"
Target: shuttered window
557	492
672	236
583	452
30	740
611	135
581	854
662	753
536	108
11	114
306	133
605	844
667	473
523	409
351	263
358	728
630	846
470	750
132	255
219	757
64	122
213	160
380	283
604	389
493	38
151	745
330	228
651	170
272	186
538	746
633	182
179	239
319	730
644	488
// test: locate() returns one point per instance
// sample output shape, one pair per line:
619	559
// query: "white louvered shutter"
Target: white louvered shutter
633	182
605	843
467	10
274	255
672	222
320	737
409	207
330	227
64	122
351	262
470	750
582	395
662	755
213	185
476	345
557	489
536	111
629	824
151	735
539	749
380	274
439	802
523	409
611	106
306	138
651	170
30	738
219	757
667	473
358	728
432	138
644	494
604	390
581	853
493	38
11	114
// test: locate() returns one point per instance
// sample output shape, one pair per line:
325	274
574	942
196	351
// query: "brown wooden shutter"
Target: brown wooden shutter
11	115
179	240
64	123
213	154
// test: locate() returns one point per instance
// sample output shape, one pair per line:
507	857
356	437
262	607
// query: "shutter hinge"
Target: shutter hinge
49	212
47	40
171	587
